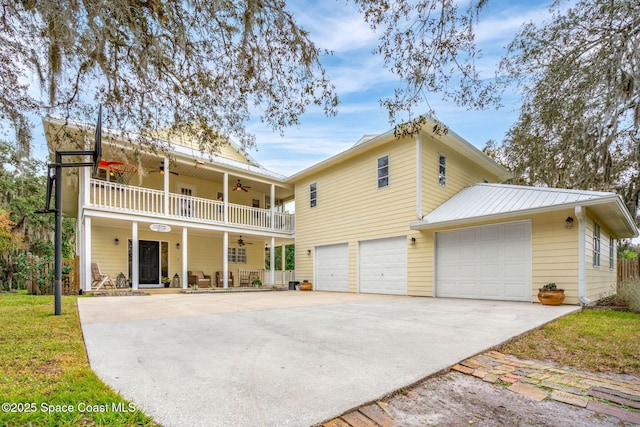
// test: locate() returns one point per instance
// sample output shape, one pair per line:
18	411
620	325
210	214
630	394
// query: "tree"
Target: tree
10	245
199	67
579	122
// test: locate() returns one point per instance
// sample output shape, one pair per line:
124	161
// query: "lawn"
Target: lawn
45	378
592	340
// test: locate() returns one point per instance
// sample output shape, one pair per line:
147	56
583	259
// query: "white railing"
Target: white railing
120	197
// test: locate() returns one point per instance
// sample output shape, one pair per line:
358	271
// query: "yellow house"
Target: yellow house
157	220
423	215
426	216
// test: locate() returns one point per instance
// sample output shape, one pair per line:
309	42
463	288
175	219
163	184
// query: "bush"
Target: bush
629	290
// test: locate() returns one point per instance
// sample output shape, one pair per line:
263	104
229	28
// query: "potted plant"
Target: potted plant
165	281
256	282
306	286
549	294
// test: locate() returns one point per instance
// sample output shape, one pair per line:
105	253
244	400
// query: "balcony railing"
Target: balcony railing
125	198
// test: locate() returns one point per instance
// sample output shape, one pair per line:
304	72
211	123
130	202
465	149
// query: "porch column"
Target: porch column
283	263
272	197
225	258
135	257
272	258
86	262
185	278
166	186
225	200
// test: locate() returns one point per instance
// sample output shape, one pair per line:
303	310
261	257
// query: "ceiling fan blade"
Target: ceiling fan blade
244	189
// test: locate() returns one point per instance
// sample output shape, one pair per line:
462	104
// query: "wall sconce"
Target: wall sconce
308	251
412	242
177	245
568	223
116	241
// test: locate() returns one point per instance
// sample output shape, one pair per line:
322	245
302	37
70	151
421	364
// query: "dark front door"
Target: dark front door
149	262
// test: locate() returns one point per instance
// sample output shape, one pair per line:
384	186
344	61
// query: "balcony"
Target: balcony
138	200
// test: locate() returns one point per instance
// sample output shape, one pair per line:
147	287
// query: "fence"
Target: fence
628	269
42	278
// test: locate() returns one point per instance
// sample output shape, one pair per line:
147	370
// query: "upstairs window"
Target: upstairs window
383	172
313	195
442	170
596	244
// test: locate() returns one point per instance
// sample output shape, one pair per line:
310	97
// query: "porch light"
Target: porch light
568	223
177	245
116	241
308	251
412	242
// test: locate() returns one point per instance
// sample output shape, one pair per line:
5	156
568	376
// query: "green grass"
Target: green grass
592	340
45	368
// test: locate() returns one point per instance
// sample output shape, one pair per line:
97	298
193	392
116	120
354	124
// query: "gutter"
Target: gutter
582	262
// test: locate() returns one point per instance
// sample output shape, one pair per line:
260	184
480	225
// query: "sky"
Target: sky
361	81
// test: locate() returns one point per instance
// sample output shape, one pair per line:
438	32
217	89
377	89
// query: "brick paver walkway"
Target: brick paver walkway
536	380
541	381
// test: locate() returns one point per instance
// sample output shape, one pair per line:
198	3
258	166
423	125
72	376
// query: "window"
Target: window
383	172
237	255
442	170
313	195
255	203
596	244
612	253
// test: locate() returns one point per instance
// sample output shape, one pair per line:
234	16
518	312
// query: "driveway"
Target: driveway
284	358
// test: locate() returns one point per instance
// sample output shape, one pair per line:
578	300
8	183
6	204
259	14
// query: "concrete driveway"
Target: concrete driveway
284	358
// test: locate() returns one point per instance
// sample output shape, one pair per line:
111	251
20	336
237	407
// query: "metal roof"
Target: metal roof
492	201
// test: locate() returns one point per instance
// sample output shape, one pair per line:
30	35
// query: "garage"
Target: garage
382	266
332	268
486	262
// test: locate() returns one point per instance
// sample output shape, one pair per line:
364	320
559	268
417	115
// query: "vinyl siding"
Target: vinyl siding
204	252
601	281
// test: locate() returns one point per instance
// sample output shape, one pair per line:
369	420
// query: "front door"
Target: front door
149	262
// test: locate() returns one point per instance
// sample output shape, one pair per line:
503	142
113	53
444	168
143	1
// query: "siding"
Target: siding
601	281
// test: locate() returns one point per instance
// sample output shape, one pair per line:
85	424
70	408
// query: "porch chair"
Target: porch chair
220	277
99	280
197	277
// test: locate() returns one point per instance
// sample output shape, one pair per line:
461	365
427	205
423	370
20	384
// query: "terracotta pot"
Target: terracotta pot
551	297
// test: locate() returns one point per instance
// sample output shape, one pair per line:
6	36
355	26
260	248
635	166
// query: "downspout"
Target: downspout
582	261
419	176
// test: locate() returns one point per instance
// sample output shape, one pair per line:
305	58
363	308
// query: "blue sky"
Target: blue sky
361	81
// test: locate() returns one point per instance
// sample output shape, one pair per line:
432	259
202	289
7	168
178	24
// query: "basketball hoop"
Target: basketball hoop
119	172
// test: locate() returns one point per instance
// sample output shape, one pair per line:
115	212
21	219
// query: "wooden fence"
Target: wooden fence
70	278
628	269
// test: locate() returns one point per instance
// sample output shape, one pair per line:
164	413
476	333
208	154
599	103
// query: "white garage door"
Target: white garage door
383	266
488	262
332	268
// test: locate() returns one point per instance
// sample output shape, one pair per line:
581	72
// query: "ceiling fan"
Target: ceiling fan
161	170
242	242
240	187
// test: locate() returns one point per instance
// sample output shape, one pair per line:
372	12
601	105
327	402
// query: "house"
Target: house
421	215
426	216
154	219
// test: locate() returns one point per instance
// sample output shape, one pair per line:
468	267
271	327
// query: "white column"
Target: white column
272	195
166	186
272	261
135	256
185	279
87	277
225	259
225	198
283	264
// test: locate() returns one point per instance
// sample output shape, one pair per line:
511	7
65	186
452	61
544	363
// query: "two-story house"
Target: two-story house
426	216
152	218
421	215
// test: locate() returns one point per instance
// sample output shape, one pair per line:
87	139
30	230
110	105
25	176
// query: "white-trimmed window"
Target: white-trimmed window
313	195
612	253
237	255
596	244
442	170
383	172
